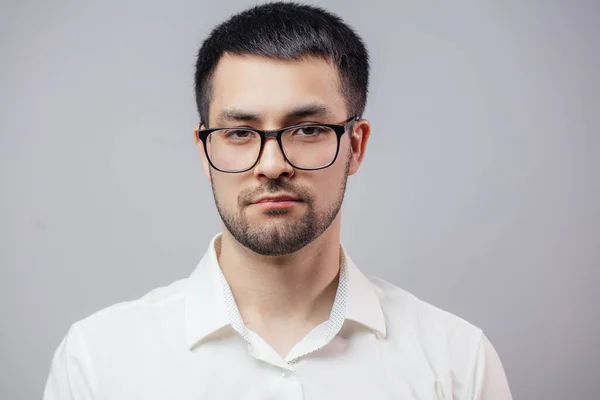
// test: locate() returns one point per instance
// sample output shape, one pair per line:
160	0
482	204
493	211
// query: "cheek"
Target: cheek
226	189
327	187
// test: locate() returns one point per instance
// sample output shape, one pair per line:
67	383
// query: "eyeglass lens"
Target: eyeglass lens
307	147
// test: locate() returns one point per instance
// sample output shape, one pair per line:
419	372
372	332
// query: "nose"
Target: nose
272	163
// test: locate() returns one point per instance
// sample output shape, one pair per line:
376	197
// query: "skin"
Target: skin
283	295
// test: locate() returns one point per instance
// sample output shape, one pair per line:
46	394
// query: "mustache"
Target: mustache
273	186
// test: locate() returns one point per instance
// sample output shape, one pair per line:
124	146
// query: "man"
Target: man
276	309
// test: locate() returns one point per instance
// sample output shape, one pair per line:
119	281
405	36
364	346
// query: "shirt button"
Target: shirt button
285	374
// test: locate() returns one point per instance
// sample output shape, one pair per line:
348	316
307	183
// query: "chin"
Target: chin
277	211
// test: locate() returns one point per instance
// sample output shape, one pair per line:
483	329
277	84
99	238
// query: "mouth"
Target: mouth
276	199
280	201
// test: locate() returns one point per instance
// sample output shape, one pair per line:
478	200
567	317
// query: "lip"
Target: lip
279	202
276	199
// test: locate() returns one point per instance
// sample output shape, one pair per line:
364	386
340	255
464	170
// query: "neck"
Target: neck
297	287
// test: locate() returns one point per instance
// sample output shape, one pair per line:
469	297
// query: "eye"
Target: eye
239	134
309	130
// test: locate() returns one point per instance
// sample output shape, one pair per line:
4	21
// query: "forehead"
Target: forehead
270	87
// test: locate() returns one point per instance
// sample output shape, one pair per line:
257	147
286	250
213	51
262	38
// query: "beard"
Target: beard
277	238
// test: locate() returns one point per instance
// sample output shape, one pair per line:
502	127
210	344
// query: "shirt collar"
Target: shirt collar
207	311
363	304
205	307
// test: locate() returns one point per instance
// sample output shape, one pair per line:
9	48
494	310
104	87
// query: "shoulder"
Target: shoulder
399	305
158	307
107	344
445	340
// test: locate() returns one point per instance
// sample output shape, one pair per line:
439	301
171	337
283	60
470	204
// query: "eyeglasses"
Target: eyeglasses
306	147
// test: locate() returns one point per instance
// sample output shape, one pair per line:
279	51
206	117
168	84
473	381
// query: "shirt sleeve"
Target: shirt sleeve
70	376
489	376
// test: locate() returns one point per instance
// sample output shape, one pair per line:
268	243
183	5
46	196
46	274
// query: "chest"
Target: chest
341	370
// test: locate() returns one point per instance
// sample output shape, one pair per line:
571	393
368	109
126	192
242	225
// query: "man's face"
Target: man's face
263	93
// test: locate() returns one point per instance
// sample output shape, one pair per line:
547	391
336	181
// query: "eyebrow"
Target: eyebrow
232	114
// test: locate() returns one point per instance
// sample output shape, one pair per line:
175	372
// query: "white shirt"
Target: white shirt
187	341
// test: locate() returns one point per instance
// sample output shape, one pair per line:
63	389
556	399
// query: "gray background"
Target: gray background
479	192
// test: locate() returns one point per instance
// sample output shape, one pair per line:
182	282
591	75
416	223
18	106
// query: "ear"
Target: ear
200	145
358	142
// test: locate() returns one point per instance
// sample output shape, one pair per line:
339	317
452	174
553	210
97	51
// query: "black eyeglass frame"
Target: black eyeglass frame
277	133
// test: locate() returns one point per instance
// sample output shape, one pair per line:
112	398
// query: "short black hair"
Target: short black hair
288	31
